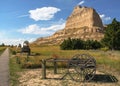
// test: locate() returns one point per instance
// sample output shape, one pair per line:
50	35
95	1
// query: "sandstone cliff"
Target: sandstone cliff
83	16
83	23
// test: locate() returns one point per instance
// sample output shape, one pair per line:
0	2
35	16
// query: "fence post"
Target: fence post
55	66
43	69
27	58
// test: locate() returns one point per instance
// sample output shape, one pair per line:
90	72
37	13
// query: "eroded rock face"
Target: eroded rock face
83	16
83	23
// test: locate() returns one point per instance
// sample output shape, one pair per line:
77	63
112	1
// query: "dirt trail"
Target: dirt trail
4	68
34	78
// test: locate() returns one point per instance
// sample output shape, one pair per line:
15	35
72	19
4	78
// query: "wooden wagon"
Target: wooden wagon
81	67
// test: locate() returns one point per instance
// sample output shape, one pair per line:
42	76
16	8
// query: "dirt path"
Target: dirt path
33	77
4	68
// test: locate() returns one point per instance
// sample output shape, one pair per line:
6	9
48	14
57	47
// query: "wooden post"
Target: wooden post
43	69
27	58
55	66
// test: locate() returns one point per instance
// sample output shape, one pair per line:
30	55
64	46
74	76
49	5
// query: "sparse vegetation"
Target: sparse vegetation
107	58
14	69
2	49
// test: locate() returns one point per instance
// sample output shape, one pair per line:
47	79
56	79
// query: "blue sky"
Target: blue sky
22	20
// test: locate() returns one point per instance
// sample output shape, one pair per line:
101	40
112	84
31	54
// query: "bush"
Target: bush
73	44
66	45
90	44
14	52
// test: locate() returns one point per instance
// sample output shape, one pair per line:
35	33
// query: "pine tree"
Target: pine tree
112	35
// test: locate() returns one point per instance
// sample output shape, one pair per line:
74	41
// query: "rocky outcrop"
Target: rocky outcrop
83	16
83	23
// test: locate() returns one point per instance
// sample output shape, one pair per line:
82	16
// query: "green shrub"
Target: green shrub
14	52
73	44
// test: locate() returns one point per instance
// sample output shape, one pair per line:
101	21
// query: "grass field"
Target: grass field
106	58
110	59
2	49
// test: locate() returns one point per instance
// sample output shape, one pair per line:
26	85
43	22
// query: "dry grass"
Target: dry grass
2	49
109	59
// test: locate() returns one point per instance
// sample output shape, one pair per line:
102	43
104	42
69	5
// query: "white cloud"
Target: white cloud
35	29
7	41
44	13
30	29
12	40
81	2
104	17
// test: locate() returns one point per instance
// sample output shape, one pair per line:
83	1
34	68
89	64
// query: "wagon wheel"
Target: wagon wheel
82	67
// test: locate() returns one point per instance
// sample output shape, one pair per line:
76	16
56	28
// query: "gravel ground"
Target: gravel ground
33	77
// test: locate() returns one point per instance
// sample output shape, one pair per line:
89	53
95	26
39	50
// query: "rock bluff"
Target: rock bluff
83	23
83	16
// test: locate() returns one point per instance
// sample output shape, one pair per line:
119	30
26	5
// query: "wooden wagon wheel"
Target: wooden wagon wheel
82	67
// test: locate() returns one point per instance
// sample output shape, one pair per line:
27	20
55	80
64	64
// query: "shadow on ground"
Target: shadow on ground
104	78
